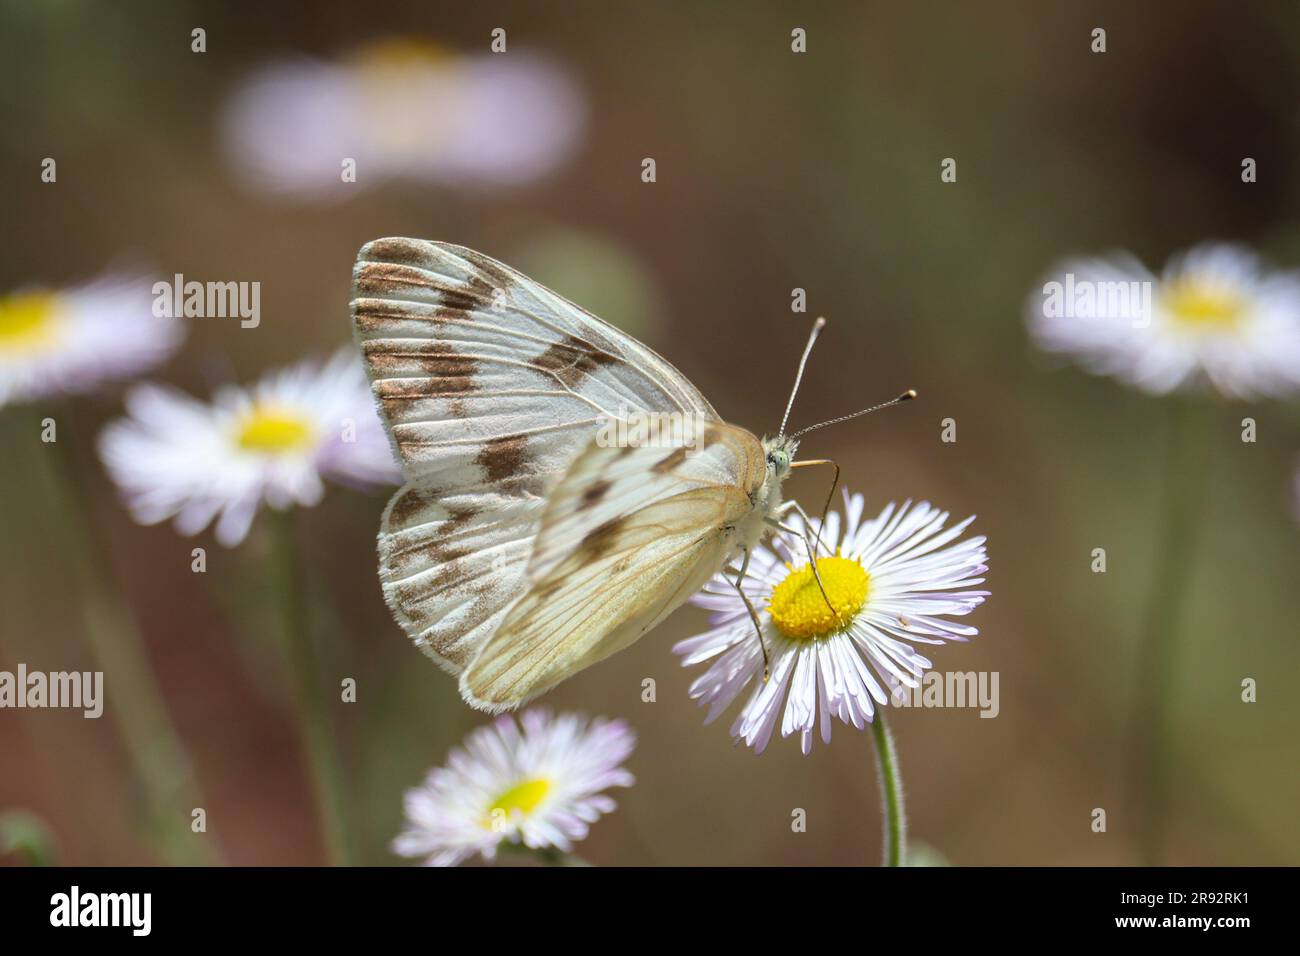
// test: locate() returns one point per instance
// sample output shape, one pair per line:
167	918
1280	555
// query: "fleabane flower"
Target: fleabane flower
72	340
174	456
402	107
891	582
1215	316
539	783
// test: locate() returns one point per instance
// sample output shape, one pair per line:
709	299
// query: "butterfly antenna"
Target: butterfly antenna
812	338
905	397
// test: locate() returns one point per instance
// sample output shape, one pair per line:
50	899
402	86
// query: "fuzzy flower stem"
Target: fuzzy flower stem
159	761
552	856
313	716
1158	656
891	792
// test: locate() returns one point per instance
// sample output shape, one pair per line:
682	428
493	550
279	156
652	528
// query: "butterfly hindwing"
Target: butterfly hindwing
450	564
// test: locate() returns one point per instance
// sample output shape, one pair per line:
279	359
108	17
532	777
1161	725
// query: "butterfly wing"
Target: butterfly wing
489	384
627	537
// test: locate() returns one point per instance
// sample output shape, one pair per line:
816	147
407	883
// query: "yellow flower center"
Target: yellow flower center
524	797
400	53
392	72
273	431
1196	305
28	320
799	609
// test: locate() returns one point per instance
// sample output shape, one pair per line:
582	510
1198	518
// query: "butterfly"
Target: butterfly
528	542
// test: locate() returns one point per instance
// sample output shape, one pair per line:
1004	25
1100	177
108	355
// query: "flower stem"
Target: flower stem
158	757
891	791
552	856
1158	655
313	717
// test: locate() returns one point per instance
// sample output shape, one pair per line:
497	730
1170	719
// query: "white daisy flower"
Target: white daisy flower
892	581
177	457
72	340
403	107
1215	315
540	785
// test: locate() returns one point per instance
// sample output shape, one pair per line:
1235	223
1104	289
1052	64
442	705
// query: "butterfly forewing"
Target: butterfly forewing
627	537
470	359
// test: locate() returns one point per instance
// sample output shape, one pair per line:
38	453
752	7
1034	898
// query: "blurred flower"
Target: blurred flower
890	580
539	786
403	108
174	456
72	340
1214	315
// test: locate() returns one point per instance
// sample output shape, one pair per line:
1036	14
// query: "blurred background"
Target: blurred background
774	171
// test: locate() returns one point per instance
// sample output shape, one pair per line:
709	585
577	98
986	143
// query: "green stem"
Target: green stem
552	856
508	850
138	709
891	791
1158	656
313	716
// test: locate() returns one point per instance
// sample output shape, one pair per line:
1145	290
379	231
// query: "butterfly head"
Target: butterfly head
779	452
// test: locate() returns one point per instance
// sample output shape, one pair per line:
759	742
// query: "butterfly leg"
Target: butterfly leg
784	509
753	615
812	550
829	494
807	523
